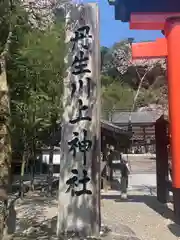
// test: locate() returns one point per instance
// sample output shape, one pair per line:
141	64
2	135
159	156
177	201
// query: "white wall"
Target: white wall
56	158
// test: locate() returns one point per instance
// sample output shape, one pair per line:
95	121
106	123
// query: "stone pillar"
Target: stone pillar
79	183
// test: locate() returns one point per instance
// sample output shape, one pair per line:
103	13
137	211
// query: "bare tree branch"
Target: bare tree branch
7	45
140	85
122	59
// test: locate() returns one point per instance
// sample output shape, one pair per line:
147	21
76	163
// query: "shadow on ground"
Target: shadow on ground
149	200
34	230
32	224
47	231
174	229
151	158
31	221
39	199
115	185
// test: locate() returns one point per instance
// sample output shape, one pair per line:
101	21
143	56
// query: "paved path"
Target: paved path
138	219
141	217
139	164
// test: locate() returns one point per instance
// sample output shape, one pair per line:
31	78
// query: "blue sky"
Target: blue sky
113	31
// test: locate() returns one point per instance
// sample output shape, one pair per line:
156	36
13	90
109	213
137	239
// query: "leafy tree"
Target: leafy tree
116	96
10	13
36	74
145	77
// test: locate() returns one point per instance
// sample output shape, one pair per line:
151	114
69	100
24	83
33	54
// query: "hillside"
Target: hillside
121	78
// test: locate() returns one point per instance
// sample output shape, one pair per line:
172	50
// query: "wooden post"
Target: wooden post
172	32
161	160
144	138
79	185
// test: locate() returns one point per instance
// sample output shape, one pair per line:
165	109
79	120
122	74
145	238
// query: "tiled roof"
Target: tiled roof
114	128
136	117
55	138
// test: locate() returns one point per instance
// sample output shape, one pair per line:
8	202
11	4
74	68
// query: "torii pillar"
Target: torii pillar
170	24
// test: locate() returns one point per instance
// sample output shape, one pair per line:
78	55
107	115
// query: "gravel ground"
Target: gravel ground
141	217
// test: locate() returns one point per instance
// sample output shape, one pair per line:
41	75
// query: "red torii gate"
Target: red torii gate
169	48
157	49
161	15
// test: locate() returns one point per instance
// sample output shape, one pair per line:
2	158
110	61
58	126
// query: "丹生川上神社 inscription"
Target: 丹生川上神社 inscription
79	192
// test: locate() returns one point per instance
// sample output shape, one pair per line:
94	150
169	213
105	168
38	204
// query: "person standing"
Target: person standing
125	171
109	163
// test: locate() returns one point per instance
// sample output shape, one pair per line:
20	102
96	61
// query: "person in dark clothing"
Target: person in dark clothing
170	168
109	165
124	177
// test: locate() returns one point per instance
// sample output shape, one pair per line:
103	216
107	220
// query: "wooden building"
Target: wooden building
114	135
111	136
143	126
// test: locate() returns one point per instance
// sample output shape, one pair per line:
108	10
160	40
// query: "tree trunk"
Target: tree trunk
50	168
50	172
5	146
23	164
33	164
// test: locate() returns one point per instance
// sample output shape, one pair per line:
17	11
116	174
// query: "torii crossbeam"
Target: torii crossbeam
156	49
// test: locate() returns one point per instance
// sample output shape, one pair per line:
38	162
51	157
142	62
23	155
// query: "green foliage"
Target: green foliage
115	95
4	22
119	89
35	75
